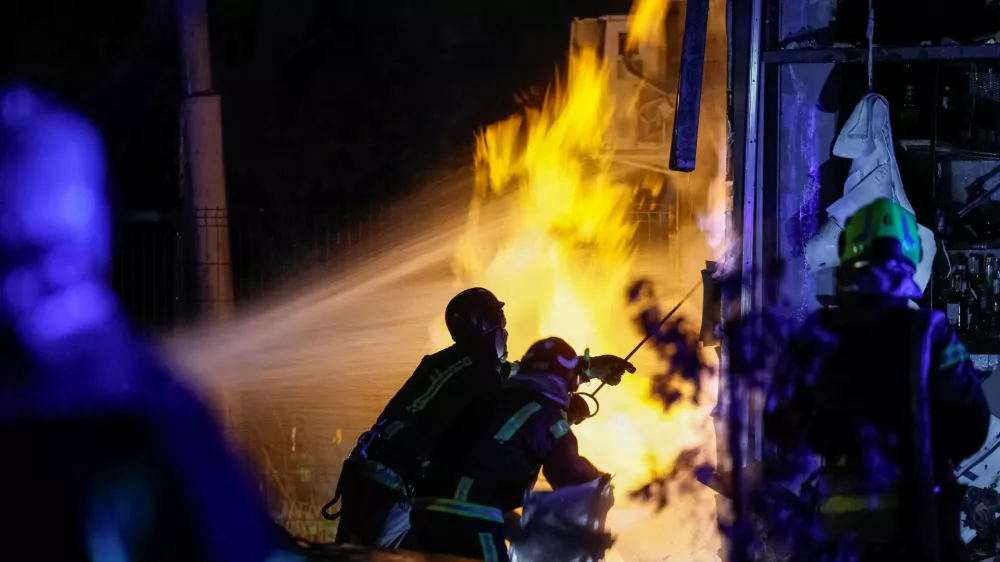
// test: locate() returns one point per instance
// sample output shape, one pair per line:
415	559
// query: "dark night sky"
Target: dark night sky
324	101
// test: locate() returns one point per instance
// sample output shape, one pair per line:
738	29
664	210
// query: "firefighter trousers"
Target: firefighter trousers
457	535
371	514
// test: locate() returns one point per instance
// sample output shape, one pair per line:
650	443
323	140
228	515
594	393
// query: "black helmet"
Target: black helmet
555	356
473	313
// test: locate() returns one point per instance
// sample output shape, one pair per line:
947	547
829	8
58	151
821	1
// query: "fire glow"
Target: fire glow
551	230
563	264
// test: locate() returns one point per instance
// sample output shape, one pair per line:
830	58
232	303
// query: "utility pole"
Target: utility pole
205	185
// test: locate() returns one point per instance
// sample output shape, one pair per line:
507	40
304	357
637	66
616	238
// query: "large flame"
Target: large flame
563	265
570	232
648	23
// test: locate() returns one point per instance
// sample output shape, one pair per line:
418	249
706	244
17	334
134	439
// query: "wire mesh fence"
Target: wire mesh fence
270	247
147	271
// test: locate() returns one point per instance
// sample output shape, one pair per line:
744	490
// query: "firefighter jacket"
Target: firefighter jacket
842	389
494	451
438	390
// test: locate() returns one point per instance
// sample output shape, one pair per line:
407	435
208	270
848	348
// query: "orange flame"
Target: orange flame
648	24
563	260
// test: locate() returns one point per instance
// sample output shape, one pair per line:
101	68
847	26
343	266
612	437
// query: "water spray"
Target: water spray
649	334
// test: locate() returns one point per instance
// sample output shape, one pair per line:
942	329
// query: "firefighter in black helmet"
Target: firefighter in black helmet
376	481
493	455
475	319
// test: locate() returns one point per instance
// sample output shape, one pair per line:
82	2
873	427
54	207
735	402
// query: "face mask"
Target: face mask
501	344
574	384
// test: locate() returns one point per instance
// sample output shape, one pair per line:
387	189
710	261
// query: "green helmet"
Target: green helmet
881	229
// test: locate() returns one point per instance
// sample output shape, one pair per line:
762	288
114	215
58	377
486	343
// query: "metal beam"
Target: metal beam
687	111
929	53
745	33
750	162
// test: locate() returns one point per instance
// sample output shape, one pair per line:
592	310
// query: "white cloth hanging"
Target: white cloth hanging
867	140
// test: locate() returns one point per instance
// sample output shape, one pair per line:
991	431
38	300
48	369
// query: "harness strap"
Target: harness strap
372	470
383	475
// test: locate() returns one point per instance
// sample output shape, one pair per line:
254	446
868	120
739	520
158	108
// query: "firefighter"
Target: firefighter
377	478
842	392
492	456
115	458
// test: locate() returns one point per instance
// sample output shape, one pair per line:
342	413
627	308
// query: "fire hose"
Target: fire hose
649	334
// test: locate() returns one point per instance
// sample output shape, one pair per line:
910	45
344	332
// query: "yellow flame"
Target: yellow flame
563	261
647	25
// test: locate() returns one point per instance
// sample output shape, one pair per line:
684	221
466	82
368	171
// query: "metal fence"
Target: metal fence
153	262
148	271
271	247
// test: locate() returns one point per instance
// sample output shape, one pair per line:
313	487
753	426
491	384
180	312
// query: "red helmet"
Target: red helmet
554	356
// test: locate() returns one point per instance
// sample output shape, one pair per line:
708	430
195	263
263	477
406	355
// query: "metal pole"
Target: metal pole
746	29
205	189
749	171
687	111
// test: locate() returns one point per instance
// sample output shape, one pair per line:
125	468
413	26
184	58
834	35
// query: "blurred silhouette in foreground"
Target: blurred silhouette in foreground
108	456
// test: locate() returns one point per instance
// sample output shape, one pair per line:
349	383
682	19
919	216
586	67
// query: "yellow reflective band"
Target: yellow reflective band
462	509
489	548
515	422
392	429
855	504
953	355
559	429
438	380
462	490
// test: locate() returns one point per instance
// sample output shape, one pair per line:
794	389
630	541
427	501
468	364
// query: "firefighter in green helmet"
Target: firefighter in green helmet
841	391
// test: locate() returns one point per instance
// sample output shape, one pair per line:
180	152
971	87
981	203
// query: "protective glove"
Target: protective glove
578	409
606	368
